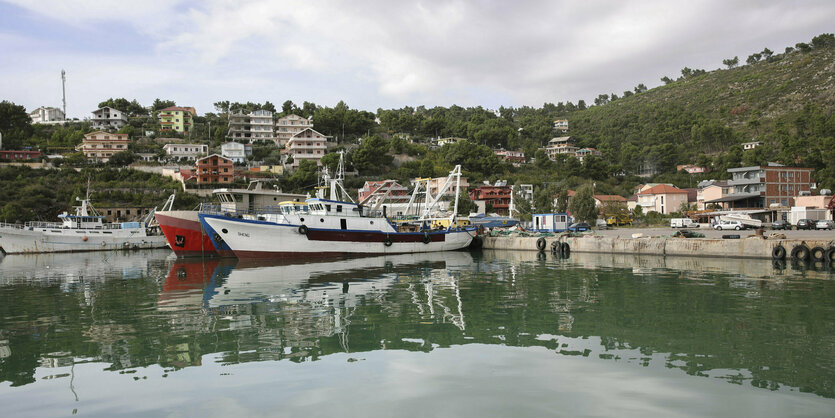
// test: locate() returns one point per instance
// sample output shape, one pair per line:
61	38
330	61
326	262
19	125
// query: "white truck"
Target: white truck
683	223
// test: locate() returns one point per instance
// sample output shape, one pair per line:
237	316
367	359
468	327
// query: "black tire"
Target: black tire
565	249
829	255
426	238
387	241
476	243
737	228
540	244
800	253
303	230
817	253
778	253
718	228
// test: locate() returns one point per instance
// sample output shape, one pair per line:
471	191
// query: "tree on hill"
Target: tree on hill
640	88
731	62
754	58
371	157
667	80
824	40
162	104
15	124
132	108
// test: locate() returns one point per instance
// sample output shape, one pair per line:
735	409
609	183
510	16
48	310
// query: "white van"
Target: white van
683	223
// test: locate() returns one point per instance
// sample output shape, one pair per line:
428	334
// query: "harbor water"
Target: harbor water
492	333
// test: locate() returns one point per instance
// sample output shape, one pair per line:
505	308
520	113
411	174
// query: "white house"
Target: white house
109	118
307	145
188	151
47	115
234	151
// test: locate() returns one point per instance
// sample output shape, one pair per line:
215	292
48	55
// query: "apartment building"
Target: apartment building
47	116
515	157
763	186
287	126
251	127
560	145
306	145
561	125
496	196
214	169
99	146
109	118
177	118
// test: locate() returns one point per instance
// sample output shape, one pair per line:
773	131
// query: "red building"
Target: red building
496	196
20	155
214	169
398	193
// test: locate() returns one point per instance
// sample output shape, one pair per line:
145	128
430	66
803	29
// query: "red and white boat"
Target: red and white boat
187	238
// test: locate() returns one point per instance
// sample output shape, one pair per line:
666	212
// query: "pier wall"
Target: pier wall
752	247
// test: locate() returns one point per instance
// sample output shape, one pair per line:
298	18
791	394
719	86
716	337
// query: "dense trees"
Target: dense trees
15	124
131	108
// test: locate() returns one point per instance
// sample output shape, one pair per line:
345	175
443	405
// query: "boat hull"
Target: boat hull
49	240
184	235
251	239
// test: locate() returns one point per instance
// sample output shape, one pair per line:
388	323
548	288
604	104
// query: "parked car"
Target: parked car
805	224
579	226
781	224
729	225
601	224
825	224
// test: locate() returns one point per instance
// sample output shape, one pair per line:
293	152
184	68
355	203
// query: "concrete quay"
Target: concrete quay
750	247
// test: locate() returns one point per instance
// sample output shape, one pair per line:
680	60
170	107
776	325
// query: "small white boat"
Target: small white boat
83	231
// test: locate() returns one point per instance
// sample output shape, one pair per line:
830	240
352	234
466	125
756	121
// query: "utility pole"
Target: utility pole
64	91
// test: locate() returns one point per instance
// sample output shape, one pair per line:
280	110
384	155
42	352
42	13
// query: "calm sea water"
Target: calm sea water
454	334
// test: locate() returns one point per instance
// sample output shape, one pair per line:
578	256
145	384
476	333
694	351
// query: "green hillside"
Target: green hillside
785	101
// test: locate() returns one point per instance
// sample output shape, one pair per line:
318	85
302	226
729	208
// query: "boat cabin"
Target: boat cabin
81	222
318	206
291	208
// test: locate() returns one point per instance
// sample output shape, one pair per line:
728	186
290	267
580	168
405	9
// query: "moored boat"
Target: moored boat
323	227
187	238
83	231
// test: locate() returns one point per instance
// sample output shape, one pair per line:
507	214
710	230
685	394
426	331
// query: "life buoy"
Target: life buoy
778	253
426	238
565	249
84	239
800	252
303	229
817	253
828	255
540	244
387	242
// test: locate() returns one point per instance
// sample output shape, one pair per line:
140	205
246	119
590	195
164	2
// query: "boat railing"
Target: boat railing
11	226
218	210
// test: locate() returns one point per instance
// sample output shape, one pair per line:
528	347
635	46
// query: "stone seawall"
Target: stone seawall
752	247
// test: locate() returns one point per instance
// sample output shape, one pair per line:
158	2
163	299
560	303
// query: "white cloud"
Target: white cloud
386	54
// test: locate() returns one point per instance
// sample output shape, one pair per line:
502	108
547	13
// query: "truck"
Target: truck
683	223
619	219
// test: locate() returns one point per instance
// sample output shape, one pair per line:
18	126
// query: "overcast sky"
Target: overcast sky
374	54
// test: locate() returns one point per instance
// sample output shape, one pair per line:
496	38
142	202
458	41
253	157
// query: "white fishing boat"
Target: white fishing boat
322	227
83	231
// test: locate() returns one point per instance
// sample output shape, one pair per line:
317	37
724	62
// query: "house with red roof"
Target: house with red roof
662	198
601	199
